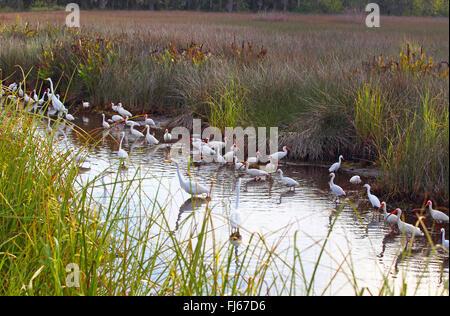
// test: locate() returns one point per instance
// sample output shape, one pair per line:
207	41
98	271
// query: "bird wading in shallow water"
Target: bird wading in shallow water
291	183
406	229
439	217
335	167
372	198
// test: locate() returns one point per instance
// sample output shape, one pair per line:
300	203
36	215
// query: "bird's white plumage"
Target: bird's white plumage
372	198
335	167
337	190
438	216
122	154
288	181
104	123
444	241
281	154
355	180
150	138
190	187
407	229
389	219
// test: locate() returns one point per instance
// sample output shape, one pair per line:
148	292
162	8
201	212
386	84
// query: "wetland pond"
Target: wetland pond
361	253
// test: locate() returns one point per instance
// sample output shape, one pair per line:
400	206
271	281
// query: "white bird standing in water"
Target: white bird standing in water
291	183
135	132
437	216
372	198
235	216
122	154
337	190
117	118
238	165
148	121
389	219
219	158
229	156
444	241
254	160
56	103
122	111
257	173
335	167
167	136
104	123
150	138
356	180
131	123
190	187
408	230
69	117
281	154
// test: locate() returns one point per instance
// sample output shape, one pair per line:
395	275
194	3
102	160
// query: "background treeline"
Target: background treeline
388	7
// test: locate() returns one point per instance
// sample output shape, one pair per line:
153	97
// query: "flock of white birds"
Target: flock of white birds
213	149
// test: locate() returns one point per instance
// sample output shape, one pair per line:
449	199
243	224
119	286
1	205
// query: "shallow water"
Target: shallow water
360	249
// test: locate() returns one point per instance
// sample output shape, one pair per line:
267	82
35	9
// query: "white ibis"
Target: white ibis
389	219
148	121
229	156
192	188
117	118
337	190
220	159
254	160
104	123
355	180
42	100
203	147
235	216
272	166
69	116
437	216
167	136
13	87
131	123
406	229
218	145
372	198
335	167
35	96
444	241
259	174
281	154
291	183
56	103
122	111
238	165
136	133
21	94
122	154
150	138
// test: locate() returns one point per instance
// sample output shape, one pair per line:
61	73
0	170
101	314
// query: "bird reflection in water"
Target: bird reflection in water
236	241
189	206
